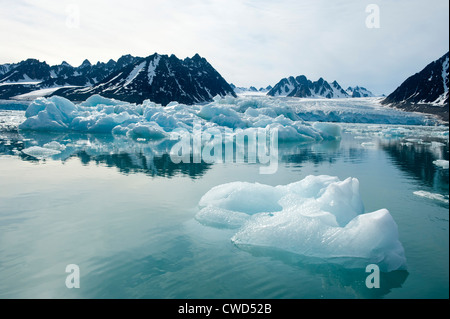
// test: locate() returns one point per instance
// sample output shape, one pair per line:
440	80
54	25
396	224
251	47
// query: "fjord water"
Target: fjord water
125	214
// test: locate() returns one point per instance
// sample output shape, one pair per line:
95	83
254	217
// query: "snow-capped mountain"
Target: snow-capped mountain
359	91
300	86
159	78
31	75
425	91
5	68
30	70
249	90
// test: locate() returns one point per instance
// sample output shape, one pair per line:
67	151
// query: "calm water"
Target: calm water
124	213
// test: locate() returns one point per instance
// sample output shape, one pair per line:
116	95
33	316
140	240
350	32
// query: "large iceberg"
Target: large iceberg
319	216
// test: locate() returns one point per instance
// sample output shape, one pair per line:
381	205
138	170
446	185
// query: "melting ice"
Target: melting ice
152	121
319	216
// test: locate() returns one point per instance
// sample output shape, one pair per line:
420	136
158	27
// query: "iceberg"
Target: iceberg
319	216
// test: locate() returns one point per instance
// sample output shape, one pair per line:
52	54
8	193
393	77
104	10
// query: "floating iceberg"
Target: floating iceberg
319	216
433	196
441	163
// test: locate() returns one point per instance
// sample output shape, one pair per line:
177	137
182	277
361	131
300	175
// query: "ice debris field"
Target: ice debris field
152	121
319	216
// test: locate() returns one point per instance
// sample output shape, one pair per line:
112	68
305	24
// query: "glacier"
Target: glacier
318	216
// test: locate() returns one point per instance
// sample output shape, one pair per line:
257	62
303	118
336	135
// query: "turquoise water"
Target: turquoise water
125	214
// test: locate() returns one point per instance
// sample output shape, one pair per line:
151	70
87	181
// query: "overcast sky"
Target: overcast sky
248	42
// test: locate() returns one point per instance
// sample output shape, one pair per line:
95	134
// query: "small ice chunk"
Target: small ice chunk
434	196
55	146
441	163
40	152
368	144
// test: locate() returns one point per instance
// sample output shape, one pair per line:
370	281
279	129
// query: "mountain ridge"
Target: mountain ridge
300	86
425	91
189	81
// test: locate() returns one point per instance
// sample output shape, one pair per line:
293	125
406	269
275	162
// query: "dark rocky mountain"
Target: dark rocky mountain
300	86
425	91
86	74
5	68
160	78
30	70
32	74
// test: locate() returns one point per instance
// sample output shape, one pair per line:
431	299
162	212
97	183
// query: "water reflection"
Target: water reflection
334	275
129	156
323	152
151	271
152	157
415	157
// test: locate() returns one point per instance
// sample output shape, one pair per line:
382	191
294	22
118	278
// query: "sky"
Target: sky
253	42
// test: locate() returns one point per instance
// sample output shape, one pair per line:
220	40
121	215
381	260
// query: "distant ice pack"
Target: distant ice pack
319	216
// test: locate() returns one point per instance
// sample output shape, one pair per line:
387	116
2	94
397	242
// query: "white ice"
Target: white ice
433	196
441	163
319	216
149	120
40	152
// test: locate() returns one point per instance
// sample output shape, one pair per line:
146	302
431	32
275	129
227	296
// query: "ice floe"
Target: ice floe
319	216
441	163
433	196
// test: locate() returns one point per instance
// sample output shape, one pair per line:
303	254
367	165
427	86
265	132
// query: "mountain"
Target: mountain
5	68
300	86
161	79
30	70
359	91
249	90
425	91
45	76
86	74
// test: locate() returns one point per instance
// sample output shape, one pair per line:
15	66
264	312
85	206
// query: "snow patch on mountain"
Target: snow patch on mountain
152	67
137	69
